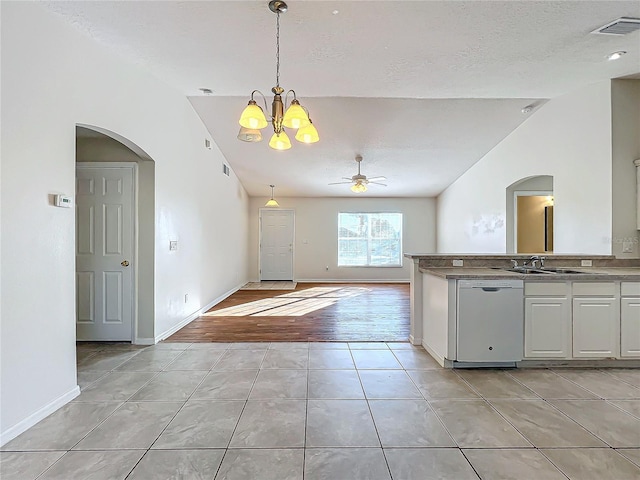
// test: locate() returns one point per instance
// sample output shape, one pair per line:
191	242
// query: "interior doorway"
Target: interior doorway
534	223
277	232
95	147
105	251
530	206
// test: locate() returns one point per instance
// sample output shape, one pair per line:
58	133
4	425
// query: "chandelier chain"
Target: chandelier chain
277	49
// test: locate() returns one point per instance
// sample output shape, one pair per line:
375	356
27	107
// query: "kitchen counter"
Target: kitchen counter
488	273
601	303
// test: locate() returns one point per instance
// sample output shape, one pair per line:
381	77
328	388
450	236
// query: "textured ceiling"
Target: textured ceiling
422	89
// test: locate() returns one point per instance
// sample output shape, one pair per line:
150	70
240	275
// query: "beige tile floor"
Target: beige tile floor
334	411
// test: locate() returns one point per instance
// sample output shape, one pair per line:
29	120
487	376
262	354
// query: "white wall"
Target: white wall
52	79
568	138
316	222
625	104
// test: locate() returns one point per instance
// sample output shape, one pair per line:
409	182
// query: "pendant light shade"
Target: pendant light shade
308	134
295	116
359	188
280	141
272	202
249	135
253	117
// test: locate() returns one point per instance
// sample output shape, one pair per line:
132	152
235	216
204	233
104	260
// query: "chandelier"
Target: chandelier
293	116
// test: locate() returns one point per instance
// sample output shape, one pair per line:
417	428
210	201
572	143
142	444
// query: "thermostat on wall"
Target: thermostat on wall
62	201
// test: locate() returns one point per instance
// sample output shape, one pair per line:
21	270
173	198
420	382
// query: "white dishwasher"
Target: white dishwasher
490	321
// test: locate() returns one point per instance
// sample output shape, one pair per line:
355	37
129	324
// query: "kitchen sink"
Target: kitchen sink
529	271
564	270
545	271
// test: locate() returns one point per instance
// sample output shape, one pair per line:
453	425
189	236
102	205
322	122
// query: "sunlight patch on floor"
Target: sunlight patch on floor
294	304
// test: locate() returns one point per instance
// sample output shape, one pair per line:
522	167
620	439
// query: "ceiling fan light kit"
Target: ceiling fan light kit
360	181
295	116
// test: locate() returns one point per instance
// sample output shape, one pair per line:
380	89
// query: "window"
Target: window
369	239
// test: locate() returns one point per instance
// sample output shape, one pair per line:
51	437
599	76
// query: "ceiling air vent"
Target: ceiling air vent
621	26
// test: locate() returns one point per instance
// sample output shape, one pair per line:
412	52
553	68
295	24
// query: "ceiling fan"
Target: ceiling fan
360	181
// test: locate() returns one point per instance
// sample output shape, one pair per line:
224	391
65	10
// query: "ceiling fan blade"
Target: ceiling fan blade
339	183
347	178
378	183
377	179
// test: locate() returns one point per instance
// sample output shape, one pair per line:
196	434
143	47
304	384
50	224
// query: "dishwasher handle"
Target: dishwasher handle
491	289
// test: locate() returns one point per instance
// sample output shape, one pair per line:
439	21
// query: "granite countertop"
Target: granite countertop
599	274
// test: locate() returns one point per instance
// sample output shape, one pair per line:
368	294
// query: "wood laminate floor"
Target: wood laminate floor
312	312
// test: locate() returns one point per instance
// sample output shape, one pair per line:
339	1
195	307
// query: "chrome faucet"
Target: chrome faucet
533	261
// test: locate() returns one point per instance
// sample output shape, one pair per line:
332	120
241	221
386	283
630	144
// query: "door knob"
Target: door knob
124	263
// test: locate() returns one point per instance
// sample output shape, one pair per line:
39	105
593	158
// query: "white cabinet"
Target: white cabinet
596	322
630	320
547	320
547	332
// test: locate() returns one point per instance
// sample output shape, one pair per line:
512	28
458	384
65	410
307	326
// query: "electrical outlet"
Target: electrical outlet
458	263
186	298
586	263
173	245
627	246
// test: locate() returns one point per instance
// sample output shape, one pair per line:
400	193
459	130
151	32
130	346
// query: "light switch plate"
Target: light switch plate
627	246
458	263
173	245
586	263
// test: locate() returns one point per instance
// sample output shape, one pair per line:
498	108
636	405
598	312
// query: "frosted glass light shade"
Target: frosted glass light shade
308	134
253	117
280	141
295	116
359	188
249	135
272	203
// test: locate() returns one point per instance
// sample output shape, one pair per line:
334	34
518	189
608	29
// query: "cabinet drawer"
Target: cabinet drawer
630	289
596	289
546	289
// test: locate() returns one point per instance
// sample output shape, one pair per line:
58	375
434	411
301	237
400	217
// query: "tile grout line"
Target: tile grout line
366	398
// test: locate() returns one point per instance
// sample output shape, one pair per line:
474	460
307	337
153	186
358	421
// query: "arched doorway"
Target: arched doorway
529	211
98	149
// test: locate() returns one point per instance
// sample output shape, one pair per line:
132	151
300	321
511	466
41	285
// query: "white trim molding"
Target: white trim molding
38	415
167	333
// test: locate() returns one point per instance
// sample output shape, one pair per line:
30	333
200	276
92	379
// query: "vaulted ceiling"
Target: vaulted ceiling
421	89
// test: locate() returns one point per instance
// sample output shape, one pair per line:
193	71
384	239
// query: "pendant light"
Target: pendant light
272	201
295	116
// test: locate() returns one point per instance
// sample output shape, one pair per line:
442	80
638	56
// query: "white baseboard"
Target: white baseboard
415	341
349	280
35	417
167	333
432	352
145	341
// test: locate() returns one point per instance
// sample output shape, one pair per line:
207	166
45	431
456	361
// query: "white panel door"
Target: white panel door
276	244
104	252
596	331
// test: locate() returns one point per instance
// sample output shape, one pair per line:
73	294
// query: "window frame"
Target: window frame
369	238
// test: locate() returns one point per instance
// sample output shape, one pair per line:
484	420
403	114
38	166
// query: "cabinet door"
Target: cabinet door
547	327
630	327
596	327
